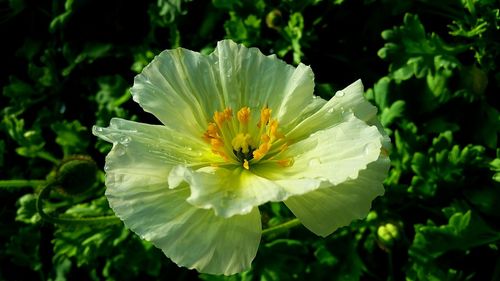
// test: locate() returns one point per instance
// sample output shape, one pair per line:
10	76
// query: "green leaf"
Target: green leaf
293	34
27	211
462	232
413	53
71	136
389	115
325	257
60	20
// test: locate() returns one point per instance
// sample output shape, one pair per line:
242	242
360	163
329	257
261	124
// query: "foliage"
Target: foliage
431	67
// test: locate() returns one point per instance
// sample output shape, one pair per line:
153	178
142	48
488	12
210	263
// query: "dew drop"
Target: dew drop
369	148
119	150
106	168
342	111
314	162
340	93
96	129
124	140
330	110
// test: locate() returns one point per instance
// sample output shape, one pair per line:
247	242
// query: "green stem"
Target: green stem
20	183
281	227
44	194
47	156
390	265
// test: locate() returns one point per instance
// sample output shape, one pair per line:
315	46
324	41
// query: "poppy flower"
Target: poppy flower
239	129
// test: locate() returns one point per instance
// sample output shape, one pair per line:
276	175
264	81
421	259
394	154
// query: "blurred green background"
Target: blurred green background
431	67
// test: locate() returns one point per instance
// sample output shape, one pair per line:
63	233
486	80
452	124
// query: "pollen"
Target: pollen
242	142
236	142
265	115
261	151
246	165
244	115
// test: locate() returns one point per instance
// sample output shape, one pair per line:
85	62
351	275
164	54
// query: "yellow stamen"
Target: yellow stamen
273	128
261	151
228	113
220	117
264	138
216	143
243	142
285	162
212	132
265	115
244	115
246	144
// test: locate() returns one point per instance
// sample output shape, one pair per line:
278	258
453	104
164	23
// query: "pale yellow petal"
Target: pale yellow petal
324	210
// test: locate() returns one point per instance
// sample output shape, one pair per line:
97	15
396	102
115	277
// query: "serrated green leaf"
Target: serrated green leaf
71	136
389	115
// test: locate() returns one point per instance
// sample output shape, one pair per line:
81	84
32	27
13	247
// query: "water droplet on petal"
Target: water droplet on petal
119	150
340	94
330	110
314	162
106	168
96	129
342	111
369	148
124	140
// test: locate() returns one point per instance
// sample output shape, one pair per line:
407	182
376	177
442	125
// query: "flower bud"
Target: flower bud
388	233
274	19
76	174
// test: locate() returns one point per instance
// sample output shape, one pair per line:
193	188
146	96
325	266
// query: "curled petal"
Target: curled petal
183	88
150	149
326	209
331	113
336	154
190	236
249	78
236	191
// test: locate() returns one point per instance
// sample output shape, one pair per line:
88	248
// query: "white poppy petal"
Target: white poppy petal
324	210
180	87
249	78
237	191
150	149
335	154
190	236
350	99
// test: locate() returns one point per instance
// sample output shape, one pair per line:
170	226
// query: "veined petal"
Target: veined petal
184	88
191	237
181	88
250	78
232	191
324	210
335	154
149	149
137	170
349	99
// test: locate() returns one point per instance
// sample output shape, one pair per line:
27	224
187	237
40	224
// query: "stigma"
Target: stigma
243	141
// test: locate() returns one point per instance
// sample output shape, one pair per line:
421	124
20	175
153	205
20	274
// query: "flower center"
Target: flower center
237	140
